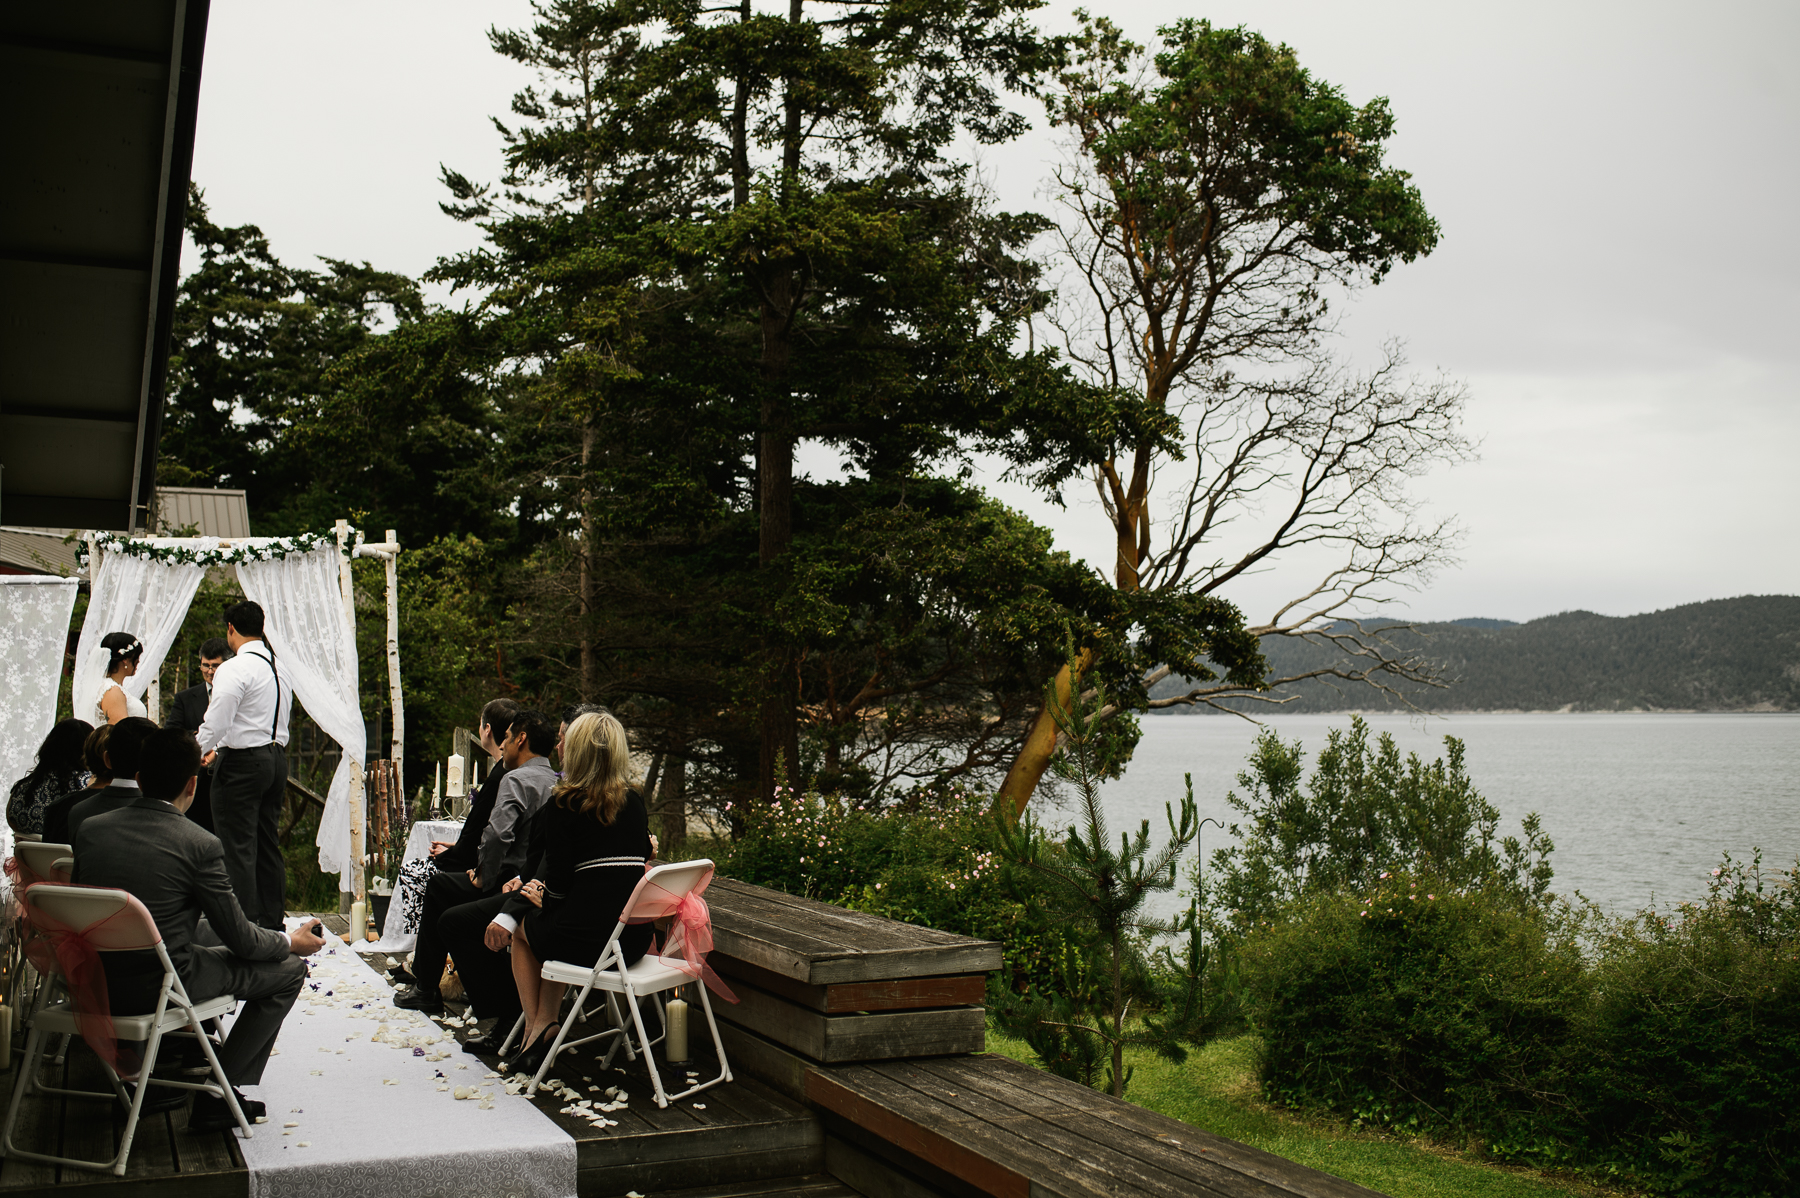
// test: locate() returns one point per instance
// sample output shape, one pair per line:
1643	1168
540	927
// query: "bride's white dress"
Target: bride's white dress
132	706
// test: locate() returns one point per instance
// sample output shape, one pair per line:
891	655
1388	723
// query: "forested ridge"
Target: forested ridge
1739	654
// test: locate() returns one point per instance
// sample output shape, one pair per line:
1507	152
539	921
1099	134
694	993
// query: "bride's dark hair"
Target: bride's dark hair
123	646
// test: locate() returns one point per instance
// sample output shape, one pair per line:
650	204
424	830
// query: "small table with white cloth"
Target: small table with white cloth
400	930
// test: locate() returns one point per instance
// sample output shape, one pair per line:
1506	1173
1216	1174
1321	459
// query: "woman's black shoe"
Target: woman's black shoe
530	1059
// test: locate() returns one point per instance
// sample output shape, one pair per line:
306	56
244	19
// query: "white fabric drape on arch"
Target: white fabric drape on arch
34	629
147	598
315	648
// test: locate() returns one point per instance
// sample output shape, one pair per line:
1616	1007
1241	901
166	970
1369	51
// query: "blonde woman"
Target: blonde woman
597	841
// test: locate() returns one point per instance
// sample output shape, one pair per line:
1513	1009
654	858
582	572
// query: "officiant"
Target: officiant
188	710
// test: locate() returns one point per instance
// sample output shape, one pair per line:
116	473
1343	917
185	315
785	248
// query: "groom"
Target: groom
246	732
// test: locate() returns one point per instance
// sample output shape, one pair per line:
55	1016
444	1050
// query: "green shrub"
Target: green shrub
1412	1007
1364	812
1692	1079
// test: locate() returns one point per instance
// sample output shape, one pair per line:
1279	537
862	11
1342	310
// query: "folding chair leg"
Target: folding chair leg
137	1100
565	1024
618	1020
224	1084
637	1018
27	1074
713	1025
517	1027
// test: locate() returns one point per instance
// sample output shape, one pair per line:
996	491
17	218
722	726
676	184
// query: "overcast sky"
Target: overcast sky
1616	285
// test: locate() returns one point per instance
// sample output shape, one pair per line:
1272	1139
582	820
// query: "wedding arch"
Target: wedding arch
145	585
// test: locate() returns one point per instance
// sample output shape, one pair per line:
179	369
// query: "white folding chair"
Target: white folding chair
128	927
43	861
650	977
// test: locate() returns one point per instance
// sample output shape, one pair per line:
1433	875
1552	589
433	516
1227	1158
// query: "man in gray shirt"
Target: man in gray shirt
500	859
177	869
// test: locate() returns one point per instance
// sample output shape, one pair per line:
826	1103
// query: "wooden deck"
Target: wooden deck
858	1050
749	1141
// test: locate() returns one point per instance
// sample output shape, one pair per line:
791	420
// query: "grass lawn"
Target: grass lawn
1215	1090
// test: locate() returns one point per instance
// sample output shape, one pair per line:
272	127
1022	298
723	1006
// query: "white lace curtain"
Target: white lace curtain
147	598
315	648
34	628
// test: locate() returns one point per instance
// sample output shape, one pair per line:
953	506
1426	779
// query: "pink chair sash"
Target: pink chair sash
690	930
54	947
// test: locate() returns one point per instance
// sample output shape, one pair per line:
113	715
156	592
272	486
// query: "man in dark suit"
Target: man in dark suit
124	742
188	710
177	870
463	854
500	856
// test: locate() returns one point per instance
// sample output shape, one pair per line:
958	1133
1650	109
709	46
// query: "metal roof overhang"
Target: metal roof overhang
99	99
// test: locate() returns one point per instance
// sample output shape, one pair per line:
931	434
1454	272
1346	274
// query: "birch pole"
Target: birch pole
358	848
398	745
94	555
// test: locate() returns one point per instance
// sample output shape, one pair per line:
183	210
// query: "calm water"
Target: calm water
1638	804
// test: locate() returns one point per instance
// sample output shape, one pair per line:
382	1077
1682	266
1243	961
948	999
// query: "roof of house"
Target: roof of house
36	551
211	513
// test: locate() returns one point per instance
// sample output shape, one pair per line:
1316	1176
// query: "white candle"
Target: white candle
359	919
453	782
676	1046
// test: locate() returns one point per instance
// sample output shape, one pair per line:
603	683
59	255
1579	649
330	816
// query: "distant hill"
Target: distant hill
1723	655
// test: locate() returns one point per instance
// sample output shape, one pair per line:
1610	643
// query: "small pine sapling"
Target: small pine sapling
1113	986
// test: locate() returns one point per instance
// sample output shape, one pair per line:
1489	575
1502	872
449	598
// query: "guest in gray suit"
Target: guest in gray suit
124	741
177	870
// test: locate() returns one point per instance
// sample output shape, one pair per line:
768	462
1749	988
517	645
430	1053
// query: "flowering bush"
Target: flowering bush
932	861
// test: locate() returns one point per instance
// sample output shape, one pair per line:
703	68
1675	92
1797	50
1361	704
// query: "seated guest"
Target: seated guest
93	755
177	870
461	855
60	769
596	844
119	756
188	710
478	945
500	857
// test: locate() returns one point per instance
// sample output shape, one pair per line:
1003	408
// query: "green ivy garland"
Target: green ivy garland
220	555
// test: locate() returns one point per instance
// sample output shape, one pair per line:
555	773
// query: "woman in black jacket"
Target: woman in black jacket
597	842
60	771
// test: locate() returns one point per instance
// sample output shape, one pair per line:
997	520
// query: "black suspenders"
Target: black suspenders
275	719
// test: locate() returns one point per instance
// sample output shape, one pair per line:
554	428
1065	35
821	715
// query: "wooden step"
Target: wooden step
817	1185
823	945
986	1125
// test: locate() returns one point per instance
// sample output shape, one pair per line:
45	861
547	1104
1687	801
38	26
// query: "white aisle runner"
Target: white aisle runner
371	1092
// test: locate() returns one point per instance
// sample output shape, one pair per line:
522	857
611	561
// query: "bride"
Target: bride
114	704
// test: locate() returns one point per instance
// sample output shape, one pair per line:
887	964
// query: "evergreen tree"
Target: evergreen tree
722	232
